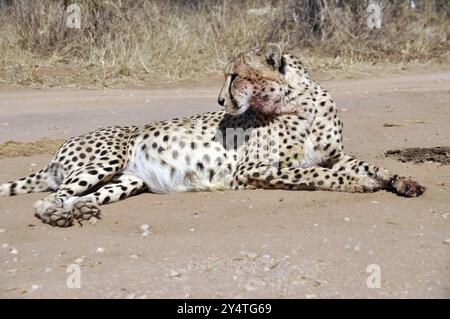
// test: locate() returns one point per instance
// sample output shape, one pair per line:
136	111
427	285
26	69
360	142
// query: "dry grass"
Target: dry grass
128	42
16	149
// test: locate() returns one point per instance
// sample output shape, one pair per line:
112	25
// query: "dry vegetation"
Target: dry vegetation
16	149
123	42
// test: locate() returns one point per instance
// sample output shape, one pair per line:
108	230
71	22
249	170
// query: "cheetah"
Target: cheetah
278	130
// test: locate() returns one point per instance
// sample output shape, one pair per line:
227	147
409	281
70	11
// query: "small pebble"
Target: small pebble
145	229
13	251
174	273
346	219
249	288
100	250
248	254
12	270
79	260
2	231
134	256
447	241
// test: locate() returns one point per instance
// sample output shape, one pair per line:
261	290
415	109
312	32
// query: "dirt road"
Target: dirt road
237	244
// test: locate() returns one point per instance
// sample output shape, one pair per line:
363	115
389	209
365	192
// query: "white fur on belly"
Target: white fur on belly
172	176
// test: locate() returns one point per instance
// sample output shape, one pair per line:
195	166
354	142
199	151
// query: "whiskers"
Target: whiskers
238	107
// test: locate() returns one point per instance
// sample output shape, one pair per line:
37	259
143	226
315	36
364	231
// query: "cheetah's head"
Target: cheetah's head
257	79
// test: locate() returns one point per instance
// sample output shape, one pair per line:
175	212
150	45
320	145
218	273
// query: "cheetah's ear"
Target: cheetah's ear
273	54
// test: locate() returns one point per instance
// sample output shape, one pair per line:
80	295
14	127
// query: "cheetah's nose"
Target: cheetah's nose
221	101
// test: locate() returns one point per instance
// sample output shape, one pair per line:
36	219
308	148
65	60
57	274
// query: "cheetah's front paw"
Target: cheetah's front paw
85	209
407	187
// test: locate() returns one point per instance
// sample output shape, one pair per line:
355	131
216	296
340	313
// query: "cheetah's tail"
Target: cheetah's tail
37	182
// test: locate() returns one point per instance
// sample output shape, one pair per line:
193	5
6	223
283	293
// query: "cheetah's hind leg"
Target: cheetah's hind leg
117	189
85	208
57	209
51	211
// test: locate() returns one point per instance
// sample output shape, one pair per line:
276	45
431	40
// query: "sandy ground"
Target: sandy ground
237	244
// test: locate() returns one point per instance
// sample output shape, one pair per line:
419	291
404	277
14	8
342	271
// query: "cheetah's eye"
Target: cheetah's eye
233	77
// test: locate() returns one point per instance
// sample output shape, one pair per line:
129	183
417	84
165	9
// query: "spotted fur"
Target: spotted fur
279	130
